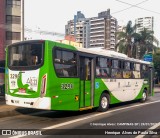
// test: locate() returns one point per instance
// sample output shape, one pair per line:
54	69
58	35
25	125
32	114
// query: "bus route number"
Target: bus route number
14	76
66	86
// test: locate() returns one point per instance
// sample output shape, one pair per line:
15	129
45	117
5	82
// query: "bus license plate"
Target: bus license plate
22	90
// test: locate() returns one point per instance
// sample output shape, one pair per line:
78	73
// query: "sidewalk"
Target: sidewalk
6	110
2	100
156	89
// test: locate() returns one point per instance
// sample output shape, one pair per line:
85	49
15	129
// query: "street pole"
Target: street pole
22	20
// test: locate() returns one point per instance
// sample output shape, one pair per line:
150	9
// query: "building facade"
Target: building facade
144	22
103	31
79	28
11	23
86	34
93	32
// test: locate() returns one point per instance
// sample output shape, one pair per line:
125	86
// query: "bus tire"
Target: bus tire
103	103
144	96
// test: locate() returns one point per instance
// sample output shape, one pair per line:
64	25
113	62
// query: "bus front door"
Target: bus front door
86	82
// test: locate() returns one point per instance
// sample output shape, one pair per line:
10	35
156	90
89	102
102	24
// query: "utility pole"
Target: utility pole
22	20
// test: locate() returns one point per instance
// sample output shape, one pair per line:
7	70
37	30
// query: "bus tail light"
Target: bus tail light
43	85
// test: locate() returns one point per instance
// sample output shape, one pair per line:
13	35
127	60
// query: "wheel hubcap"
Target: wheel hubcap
104	102
144	96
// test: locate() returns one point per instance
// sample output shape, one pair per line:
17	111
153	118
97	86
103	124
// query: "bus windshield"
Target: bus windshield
25	55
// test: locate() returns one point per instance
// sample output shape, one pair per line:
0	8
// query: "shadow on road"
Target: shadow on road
65	114
52	114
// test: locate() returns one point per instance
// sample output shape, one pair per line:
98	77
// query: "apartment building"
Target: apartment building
144	22
11	23
103	31
86	34
78	27
69	28
95	31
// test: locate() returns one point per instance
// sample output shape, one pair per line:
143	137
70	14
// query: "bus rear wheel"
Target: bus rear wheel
144	96
103	103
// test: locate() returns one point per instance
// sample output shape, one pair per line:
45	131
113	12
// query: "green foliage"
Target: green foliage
135	44
126	39
156	61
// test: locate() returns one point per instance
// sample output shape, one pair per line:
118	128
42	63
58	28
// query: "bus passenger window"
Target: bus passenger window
65	63
23	63
65	73
34	60
144	71
127	74
98	71
103	72
88	68
116	69
102	67
116	73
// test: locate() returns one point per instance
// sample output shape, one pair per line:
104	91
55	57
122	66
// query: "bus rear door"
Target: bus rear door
86	82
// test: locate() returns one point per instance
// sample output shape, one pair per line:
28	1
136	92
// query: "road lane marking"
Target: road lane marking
98	114
89	117
151	128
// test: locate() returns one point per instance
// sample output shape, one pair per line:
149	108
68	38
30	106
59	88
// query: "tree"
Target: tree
145	40
126	39
156	62
135	44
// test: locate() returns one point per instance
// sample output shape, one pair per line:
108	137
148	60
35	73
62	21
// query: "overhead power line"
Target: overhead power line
137	6
130	7
43	32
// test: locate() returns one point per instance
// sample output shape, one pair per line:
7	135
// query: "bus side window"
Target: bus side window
65	73
34	60
65	63
116	69
127	72
102	67
88	68
23	62
136	71
98	71
144	71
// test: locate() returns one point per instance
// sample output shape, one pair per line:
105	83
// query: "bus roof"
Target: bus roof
110	53
95	50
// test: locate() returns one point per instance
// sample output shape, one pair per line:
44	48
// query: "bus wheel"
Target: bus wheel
144	96
104	102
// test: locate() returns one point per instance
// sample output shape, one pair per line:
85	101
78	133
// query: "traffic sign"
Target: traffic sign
148	57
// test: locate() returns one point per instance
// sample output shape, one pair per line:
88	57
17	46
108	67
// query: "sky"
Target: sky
52	15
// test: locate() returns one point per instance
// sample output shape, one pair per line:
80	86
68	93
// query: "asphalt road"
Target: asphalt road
122	118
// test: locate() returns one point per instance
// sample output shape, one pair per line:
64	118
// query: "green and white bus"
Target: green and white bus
49	75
